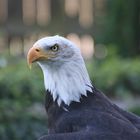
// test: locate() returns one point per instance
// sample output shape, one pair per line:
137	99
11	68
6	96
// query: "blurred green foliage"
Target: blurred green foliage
120	25
135	110
21	90
116	76
22	114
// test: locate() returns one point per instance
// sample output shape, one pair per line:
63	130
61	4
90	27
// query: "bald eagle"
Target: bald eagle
76	110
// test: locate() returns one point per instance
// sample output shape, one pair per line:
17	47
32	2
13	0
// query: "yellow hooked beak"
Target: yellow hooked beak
36	53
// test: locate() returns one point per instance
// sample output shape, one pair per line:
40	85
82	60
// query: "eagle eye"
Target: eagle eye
55	48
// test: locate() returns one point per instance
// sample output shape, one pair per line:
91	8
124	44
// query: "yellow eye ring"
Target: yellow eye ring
55	48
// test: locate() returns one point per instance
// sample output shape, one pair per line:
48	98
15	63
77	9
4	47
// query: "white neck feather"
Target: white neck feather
68	82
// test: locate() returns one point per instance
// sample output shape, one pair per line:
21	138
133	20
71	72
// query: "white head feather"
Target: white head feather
65	75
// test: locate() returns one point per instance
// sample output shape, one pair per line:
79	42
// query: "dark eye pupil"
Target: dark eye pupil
55	48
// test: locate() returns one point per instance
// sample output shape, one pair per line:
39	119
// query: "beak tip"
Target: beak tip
29	58
30	66
32	56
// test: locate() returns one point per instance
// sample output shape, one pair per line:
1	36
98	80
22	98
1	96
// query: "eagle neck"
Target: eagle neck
68	82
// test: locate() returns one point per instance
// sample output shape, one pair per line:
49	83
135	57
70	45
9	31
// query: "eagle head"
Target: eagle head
65	74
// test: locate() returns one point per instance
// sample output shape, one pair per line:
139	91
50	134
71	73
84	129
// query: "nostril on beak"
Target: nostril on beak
37	50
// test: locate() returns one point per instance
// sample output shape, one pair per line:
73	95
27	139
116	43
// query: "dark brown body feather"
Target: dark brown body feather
94	118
